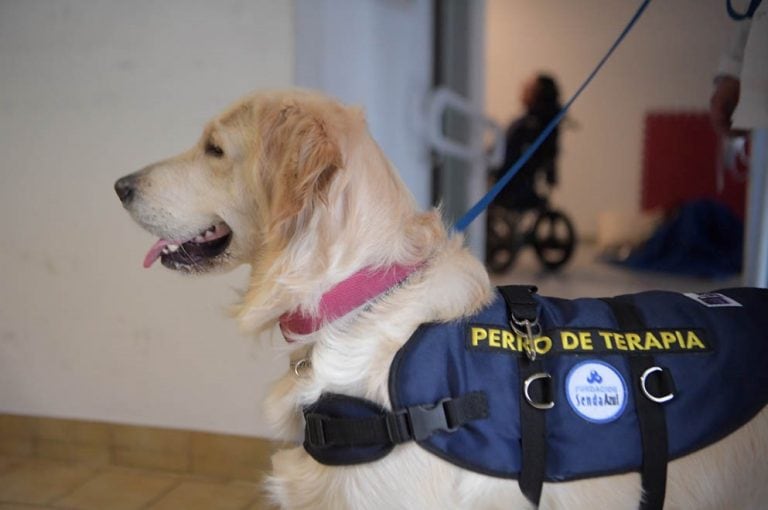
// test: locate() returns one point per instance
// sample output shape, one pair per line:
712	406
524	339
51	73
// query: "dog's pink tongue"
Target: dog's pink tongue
154	253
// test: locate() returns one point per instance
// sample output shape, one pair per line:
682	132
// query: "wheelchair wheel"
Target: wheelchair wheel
554	239
502	240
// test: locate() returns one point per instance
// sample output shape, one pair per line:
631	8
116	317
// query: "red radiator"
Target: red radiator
681	161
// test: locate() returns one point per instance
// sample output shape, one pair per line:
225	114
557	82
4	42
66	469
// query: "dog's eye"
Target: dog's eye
214	150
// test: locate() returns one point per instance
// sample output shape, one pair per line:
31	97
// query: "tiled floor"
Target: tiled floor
85	465
583	277
34	484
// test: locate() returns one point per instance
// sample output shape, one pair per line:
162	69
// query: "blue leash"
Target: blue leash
482	204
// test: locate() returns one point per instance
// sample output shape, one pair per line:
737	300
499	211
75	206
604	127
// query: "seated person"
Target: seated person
541	99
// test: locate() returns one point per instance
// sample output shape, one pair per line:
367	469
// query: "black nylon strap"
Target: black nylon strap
413	423
472	406
522	306
326	431
520	302
653	426
533	435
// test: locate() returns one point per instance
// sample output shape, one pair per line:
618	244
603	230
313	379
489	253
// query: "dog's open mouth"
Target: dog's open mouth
193	253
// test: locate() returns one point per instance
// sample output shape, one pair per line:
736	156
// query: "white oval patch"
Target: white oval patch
596	391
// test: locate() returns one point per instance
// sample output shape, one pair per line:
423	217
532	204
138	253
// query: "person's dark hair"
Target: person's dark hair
546	102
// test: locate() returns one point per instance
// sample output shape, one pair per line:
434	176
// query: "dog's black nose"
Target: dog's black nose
126	188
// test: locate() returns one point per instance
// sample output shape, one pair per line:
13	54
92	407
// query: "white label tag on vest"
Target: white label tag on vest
712	299
596	391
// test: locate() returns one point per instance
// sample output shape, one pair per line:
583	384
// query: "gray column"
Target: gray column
756	233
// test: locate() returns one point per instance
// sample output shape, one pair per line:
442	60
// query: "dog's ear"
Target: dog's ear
306	156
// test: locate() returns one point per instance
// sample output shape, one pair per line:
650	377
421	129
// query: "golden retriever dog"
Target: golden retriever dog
291	183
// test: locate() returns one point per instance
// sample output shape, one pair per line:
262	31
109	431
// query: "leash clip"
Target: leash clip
528	330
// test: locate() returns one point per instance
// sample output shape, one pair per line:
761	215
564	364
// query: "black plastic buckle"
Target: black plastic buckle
426	420
315	435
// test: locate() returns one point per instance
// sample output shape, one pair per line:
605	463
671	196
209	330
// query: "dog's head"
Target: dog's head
255	168
289	182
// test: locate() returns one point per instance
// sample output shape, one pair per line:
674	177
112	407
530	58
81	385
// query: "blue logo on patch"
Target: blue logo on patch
596	391
594	377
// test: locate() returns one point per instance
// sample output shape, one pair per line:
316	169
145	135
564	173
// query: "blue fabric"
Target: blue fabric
717	391
704	238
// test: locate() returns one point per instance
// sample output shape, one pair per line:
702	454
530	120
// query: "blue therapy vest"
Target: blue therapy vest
715	347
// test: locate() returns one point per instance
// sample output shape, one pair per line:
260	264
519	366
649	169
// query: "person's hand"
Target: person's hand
723	103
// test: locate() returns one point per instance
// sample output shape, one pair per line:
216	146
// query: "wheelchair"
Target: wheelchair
522	216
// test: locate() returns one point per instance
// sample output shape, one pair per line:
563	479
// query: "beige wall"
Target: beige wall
90	91
667	62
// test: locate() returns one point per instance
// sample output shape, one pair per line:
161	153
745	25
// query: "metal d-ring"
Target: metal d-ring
300	365
658	400
526	386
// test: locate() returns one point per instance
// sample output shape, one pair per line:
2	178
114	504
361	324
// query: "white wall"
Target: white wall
667	62
90	91
375	54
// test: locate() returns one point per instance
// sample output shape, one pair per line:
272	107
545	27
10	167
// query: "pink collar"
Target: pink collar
344	297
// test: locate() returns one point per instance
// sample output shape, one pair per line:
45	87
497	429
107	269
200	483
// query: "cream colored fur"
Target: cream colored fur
311	199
